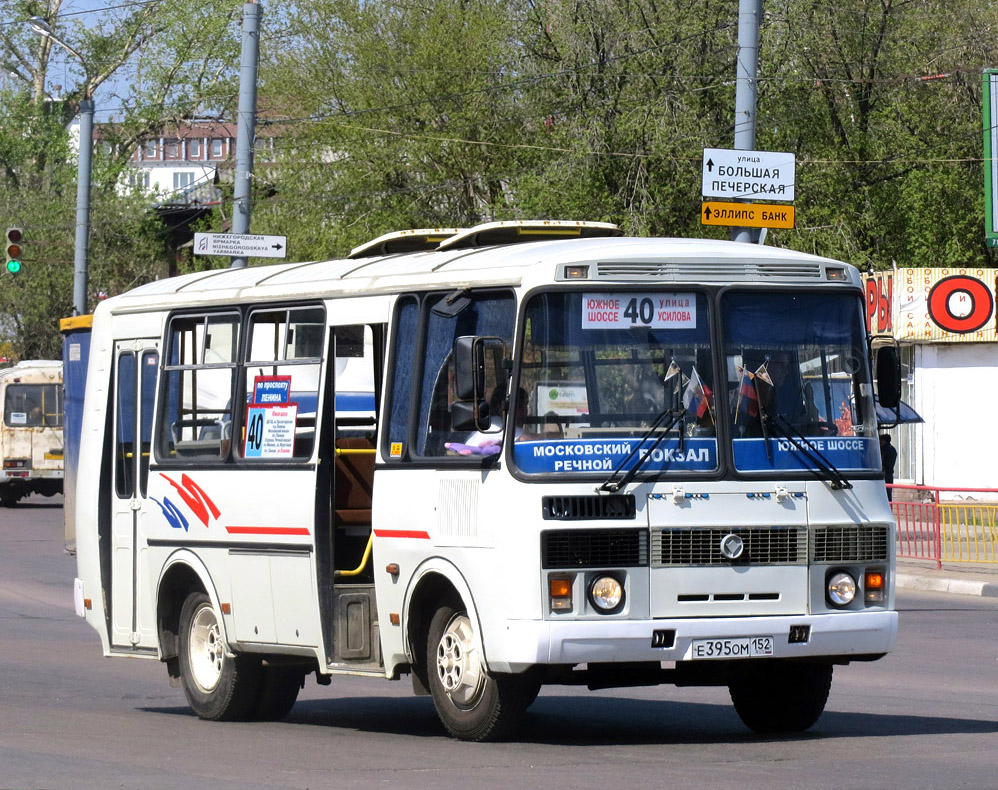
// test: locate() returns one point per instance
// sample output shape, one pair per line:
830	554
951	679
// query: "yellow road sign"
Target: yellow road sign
747	215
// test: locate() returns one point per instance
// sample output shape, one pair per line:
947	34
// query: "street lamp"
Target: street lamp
42	28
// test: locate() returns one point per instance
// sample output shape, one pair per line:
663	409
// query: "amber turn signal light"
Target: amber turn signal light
873	587
560	590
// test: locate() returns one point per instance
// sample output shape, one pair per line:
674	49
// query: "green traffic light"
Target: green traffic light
13	266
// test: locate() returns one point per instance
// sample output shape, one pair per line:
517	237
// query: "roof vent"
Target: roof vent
514	232
404	241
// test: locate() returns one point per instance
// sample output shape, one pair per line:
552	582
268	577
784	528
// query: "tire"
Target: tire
781	697
279	687
218	687
9	498
472	704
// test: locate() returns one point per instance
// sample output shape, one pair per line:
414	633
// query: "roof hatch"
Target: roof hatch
514	232
404	241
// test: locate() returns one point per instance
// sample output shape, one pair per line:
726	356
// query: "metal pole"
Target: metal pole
245	125
83	207
749	14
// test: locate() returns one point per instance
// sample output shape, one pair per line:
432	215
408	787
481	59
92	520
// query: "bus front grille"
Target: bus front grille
721	271
582	508
861	543
702	546
594	548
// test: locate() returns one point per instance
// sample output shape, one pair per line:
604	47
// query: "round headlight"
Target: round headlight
606	593
841	589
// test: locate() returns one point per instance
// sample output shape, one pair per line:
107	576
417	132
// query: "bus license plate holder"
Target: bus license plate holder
740	647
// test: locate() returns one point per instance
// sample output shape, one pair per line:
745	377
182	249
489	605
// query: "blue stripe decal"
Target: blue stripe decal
845	453
606	455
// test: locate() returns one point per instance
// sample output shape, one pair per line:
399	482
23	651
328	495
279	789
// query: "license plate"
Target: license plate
745	647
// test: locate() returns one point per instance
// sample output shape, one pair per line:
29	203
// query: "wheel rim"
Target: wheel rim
206	648
459	667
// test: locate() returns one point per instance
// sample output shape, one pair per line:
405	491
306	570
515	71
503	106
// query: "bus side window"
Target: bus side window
402	367
490	313
284	357
199	380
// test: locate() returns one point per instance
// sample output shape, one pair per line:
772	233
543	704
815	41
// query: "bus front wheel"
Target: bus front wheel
472	704
218	686
781	698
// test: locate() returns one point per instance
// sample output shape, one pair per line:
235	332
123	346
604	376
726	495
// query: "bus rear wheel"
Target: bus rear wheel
472	704
781	697
218	686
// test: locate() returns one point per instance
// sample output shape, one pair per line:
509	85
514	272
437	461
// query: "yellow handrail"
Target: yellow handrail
355	451
363	561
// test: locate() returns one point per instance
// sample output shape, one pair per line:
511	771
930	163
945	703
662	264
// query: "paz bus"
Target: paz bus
488	460
31	440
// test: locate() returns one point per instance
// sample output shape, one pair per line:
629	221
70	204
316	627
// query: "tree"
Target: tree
392	116
881	100
146	62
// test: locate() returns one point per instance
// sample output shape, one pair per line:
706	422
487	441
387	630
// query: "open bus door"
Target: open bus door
346	582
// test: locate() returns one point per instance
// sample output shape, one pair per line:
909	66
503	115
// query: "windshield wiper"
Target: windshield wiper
664	422
825	471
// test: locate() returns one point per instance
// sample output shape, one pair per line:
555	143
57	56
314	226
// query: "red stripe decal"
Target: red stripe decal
402	533
267	530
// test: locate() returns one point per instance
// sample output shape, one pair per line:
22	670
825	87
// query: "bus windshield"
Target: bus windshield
796	370
614	379
33	405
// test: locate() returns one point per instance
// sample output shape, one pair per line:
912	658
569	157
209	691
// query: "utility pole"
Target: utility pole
747	73
81	255
246	124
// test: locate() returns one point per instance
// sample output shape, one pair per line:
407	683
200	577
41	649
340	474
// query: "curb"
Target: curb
910	581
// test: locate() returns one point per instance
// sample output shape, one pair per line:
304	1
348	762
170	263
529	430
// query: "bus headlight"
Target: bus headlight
606	594
841	589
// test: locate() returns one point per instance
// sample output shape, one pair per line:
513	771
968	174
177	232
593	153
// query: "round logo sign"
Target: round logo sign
960	304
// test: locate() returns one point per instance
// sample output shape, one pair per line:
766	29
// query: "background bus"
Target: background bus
31	440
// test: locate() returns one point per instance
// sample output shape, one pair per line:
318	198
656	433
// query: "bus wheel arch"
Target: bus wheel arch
449	661
429	590
182	575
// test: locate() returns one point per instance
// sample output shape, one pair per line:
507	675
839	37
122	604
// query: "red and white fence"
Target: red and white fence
963	529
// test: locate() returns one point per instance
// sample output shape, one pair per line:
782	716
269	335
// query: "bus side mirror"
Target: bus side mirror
469	367
888	376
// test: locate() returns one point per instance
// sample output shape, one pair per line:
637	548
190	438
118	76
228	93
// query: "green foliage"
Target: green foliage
391	114
169	60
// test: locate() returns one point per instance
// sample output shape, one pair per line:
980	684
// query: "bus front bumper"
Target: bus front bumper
835	635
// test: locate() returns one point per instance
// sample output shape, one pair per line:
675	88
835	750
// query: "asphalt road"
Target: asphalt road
925	716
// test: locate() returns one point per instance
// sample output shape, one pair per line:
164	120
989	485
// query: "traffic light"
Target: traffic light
12	246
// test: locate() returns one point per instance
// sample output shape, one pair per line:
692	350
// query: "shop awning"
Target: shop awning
902	414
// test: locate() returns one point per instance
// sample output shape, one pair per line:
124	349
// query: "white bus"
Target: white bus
31	440
524	454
